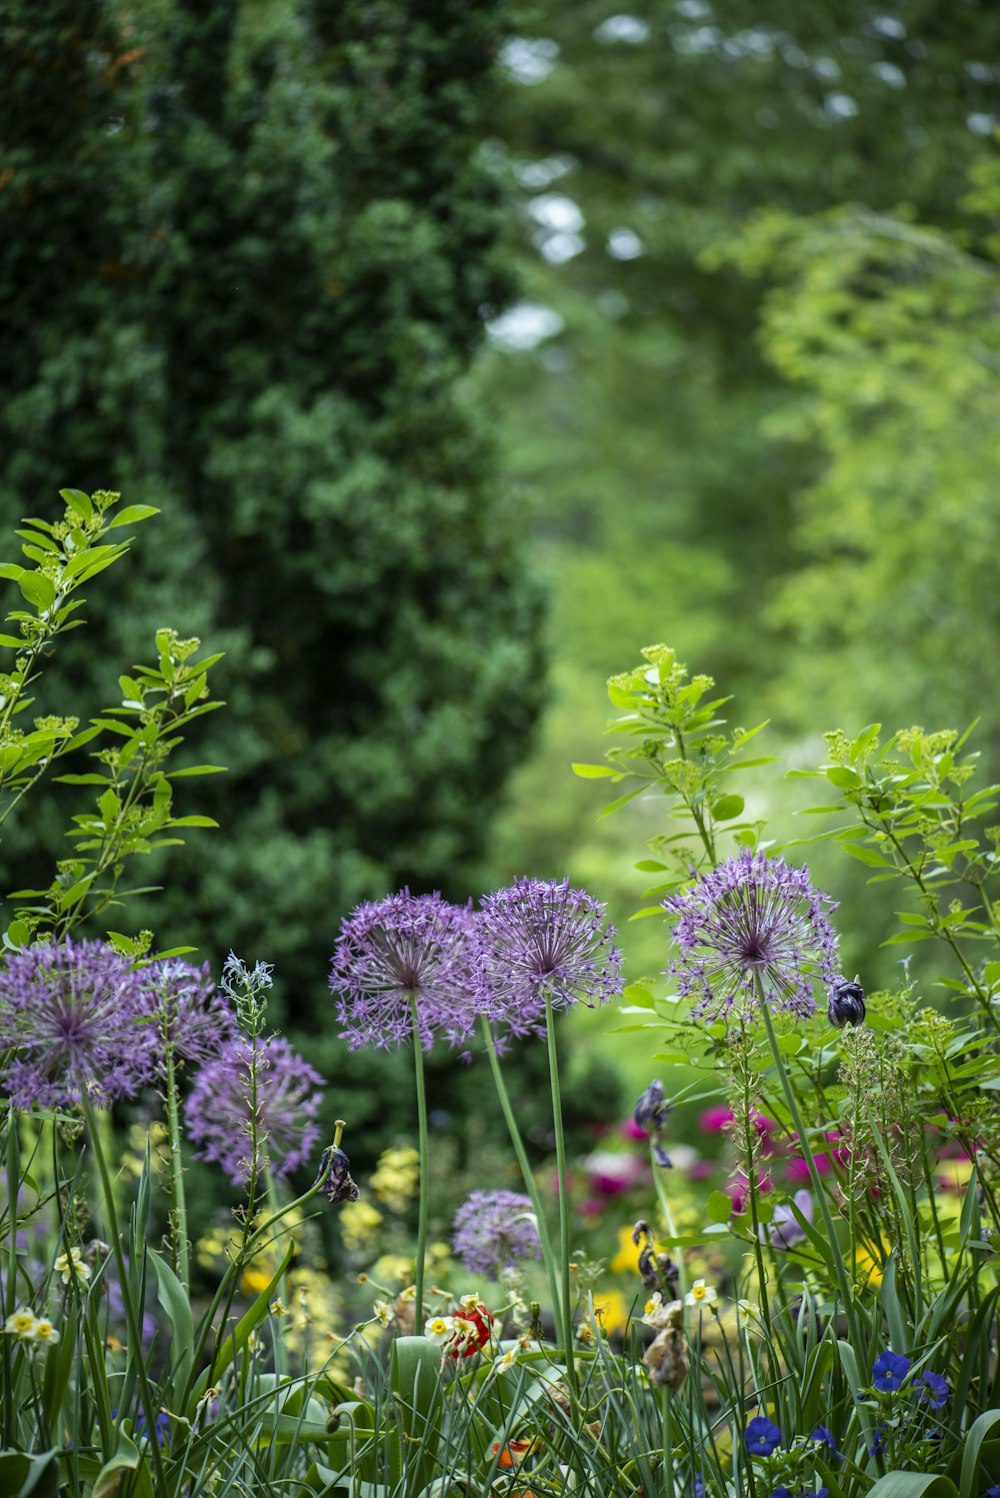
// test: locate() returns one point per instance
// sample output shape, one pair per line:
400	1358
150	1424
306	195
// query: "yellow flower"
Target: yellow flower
611	1310
868	1260
21	1324
359	1222
395	1179
254	1279
626	1260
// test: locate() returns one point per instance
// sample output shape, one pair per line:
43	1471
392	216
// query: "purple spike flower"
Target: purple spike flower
494	1229
219	1108
405	950
541	939
186	1010
753	916
72	1014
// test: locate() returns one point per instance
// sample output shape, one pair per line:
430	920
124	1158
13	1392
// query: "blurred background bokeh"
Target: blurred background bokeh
467	347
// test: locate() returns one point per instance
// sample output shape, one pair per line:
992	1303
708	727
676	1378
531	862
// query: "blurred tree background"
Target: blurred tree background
738	264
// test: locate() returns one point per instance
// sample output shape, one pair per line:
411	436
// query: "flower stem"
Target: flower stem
814	1176
178	1200
564	1242
529	1180
418	1071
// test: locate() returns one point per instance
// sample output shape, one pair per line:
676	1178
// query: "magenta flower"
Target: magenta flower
543	940
753	917
72	1015
405	950
220	1108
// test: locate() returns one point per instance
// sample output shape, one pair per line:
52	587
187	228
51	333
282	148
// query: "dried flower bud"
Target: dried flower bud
334	1178
666	1359
847	1003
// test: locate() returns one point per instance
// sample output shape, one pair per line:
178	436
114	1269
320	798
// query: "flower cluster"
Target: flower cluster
189	1016
260	1086
465	1332
73	1016
36	1331
493	1230
753	918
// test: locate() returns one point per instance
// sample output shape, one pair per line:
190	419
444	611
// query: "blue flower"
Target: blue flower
782	1493
993	1492
699	1486
762	1436
877	1444
889	1370
821	1433
933	1389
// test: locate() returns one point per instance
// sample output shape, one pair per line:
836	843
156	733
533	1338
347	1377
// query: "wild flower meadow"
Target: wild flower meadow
806	1302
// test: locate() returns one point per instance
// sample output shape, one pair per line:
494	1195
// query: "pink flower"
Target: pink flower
715	1119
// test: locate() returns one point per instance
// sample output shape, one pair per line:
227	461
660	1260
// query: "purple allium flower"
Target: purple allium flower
825	1436
403	949
543	939
889	1370
762	1436
753	916
72	1015
933	1389
185	1009
493	1230
219	1108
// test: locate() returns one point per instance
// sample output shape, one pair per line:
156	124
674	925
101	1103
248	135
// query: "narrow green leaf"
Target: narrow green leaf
132	514
593	772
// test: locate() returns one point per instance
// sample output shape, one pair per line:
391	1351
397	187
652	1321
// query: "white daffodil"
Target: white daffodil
44	1332
701	1294
383	1313
440	1329
71	1266
22	1324
659	1313
507	1360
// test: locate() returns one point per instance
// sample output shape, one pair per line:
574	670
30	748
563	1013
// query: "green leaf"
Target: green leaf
76	500
913	1485
24	1476
593	772
193	821
727	807
37	589
984	1429
197	770
132	514
843	778
870	856
174	1300
11	571
719	1208
126	1466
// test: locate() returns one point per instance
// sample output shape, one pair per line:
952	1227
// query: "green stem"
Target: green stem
418	1071
564	1222
814	1176
668	1218
178	1199
150	1408
529	1180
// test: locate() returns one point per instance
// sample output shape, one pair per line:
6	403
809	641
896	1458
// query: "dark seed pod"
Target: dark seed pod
847	1003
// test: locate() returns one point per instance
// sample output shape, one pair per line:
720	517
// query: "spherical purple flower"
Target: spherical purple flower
220	1108
72	1015
889	1370
752	917
185	1010
932	1389
543	940
762	1436
405	963
493	1230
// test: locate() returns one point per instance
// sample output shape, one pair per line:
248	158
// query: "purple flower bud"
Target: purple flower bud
847	1003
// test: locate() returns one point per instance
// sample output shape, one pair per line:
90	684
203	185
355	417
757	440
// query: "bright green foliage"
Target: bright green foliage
251	248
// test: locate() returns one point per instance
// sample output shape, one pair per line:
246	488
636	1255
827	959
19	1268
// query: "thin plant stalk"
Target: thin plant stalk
424	1149
529	1180
814	1176
150	1408
564	1223
180	1253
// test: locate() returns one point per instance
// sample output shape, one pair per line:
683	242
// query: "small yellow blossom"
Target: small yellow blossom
506	1361
701	1294
21	1324
44	1331
70	1265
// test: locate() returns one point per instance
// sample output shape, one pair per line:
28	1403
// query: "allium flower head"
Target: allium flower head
543	939
494	1229
186	1010
402	949
219	1108
752	917
72	1014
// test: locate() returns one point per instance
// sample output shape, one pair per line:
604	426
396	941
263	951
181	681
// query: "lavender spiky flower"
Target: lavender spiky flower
219	1108
494	1230
543	939
72	1015
397	951
752	917
186	1010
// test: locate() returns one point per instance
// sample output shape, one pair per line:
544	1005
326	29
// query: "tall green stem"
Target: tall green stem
564	1222
178	1199
418	1071
814	1176
526	1173
150	1408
